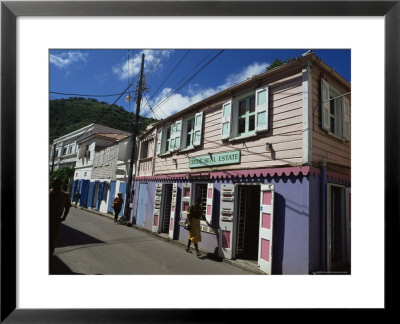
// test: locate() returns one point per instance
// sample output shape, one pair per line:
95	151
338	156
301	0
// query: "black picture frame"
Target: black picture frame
10	10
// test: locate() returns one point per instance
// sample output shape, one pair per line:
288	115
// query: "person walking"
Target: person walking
194	215
59	205
117	205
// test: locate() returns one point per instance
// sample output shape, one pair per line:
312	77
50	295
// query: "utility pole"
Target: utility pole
133	151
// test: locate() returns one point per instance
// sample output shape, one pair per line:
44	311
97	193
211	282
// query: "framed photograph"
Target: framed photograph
29	29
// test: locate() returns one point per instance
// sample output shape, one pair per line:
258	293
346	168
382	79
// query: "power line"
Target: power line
172	71
183	79
187	81
106	110
86	95
154	114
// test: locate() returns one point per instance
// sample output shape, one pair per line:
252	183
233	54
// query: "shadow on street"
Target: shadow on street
57	267
212	257
68	236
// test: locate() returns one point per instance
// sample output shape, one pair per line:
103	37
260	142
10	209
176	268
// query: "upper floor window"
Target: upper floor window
87	152
144	149
335	112
182	134
245	115
64	151
168	140
189	133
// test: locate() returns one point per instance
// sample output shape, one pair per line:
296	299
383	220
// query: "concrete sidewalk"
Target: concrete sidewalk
241	264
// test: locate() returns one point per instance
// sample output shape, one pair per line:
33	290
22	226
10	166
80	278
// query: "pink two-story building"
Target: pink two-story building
271	159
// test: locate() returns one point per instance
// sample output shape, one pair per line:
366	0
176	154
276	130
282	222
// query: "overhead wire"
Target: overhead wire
166	78
85	95
194	68
187	81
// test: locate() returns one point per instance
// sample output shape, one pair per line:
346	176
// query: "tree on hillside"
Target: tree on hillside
68	115
278	62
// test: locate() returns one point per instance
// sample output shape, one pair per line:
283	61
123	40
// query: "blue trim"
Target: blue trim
91	193
84	192
99	194
112	196
104	196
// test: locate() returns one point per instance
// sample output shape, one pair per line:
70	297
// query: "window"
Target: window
335	112
245	115
144	147
189	133
182	134
168	139
70	149
64	151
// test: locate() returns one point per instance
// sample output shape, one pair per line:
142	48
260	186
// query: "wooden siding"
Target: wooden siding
285	134
145	167
335	151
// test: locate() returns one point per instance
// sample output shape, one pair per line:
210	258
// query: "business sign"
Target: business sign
212	159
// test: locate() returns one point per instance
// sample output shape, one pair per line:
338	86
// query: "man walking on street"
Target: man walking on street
59	207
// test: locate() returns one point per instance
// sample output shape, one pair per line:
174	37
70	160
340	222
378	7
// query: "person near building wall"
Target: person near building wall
117	205
194	215
59	207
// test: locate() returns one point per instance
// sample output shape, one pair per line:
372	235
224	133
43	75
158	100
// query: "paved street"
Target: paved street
89	243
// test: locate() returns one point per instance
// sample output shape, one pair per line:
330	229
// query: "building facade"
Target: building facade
108	175
93	152
271	160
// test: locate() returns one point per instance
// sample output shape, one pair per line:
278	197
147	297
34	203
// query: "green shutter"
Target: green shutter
226	120
178	132
325	121
262	109
159	138
346	119
198	124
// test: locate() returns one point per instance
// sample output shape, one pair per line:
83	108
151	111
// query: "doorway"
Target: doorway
248	222
200	190
166	208
142	201
338	230
95	194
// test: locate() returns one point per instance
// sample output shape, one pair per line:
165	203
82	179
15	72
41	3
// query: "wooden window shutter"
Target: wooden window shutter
346	119
262	109
198	124
226	120
325	105
159	139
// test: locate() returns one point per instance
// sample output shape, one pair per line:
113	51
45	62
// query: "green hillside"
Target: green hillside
67	115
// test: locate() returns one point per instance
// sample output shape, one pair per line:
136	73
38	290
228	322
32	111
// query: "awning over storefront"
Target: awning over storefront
250	173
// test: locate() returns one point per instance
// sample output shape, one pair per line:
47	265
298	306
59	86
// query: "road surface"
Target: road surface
89	243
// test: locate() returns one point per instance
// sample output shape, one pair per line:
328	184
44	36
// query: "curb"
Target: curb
238	264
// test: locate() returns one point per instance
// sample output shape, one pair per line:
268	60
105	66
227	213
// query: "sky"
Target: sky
175	78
